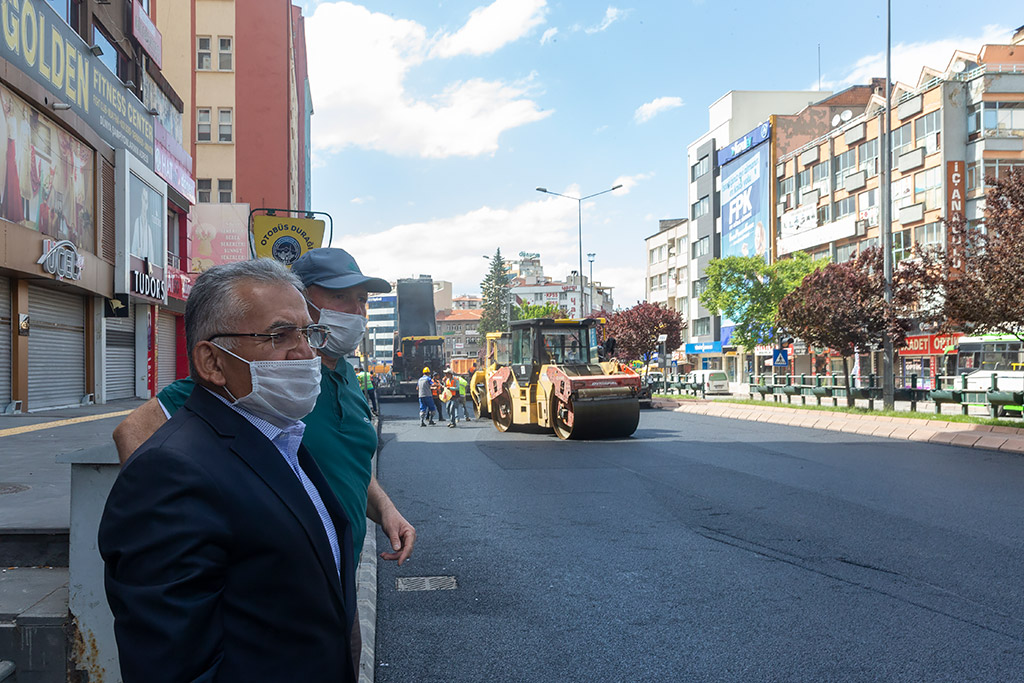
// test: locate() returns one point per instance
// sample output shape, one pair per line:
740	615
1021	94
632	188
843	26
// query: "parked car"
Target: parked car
710	381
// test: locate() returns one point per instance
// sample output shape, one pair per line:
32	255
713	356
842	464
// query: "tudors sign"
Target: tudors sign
61	259
148	286
35	39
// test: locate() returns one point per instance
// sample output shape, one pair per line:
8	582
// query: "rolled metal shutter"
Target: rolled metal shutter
5	342
167	349
56	348
119	359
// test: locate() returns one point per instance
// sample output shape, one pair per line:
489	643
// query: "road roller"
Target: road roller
497	355
548	373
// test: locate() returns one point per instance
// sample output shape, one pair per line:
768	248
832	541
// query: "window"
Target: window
204	188
928	188
702	247
786	186
867	205
681	246
700	168
846	252
927	129
1000	168
929	235
224	125
974	119
902	194
204	58
702	327
902	141
225	56
869	157
900	245
699	286
652	256
803	179
111	56
224	191
846	163
824	214
819	176
700	207
844	207
1003	118
203	124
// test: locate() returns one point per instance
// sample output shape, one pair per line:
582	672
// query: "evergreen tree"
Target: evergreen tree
496	292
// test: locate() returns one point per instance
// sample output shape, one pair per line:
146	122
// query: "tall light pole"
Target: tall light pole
590	257
579	202
888	390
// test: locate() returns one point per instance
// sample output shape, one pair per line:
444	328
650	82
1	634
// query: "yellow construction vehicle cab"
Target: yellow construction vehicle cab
547	372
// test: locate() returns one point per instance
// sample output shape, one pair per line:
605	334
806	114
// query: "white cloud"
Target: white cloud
547	225
611	15
548	36
909	58
628	182
361	200
490	28
647	111
359	61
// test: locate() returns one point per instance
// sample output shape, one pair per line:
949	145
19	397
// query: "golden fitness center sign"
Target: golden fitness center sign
38	41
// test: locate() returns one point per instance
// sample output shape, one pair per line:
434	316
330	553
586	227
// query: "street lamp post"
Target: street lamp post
888	388
579	202
590	257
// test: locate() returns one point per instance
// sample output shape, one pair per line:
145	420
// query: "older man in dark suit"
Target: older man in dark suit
227	556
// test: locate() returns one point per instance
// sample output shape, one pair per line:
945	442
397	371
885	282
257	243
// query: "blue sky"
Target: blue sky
435	120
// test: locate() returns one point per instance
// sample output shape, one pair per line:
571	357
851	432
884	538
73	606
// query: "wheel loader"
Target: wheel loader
547	373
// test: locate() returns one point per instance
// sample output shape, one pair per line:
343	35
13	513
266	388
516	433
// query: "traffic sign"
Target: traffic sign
780	358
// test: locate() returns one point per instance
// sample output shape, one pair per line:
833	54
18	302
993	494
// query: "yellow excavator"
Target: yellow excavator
548	373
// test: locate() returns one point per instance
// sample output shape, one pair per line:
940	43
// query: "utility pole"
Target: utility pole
888	390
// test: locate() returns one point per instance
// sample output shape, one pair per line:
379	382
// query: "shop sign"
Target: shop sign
218	234
928	344
285	238
763	350
40	43
61	259
148	286
146	32
956	189
179	284
704	347
173	163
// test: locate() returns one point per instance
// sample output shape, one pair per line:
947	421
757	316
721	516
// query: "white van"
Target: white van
711	381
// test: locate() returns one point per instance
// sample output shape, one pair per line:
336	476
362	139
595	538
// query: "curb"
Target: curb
366	598
985	437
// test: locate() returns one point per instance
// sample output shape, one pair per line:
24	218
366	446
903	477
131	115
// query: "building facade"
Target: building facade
382	323
459	329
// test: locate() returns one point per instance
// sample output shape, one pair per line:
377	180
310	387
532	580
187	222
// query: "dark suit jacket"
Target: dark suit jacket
218	567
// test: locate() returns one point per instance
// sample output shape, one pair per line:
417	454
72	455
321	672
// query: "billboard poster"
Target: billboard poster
285	238
219	235
140	269
146	223
46	176
745	204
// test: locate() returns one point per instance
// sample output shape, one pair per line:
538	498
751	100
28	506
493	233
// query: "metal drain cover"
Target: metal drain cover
426	583
11	488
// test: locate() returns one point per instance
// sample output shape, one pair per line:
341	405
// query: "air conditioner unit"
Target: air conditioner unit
861	227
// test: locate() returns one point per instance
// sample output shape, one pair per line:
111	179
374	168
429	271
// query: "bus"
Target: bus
986	355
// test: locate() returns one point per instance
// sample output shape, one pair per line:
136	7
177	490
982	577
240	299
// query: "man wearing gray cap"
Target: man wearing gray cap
339	432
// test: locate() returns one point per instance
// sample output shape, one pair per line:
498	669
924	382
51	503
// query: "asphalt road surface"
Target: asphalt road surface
700	549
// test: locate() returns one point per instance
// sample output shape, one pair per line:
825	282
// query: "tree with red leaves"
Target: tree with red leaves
636	330
842	306
984	285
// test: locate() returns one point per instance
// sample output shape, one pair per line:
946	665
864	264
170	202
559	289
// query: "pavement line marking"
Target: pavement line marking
59	423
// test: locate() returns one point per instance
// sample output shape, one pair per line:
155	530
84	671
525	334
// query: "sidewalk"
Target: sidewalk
1005	439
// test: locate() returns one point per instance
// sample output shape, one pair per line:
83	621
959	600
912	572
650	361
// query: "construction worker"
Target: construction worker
424	389
452	385
369	390
435	392
460	398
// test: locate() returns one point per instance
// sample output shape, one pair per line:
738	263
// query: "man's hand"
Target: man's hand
400	532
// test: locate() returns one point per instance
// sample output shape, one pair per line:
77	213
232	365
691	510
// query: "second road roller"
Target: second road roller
548	373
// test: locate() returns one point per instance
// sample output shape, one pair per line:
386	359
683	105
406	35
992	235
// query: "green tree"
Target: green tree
549	310
497	295
747	290
636	331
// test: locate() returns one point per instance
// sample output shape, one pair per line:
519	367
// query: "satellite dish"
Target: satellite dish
846	115
959	66
836	120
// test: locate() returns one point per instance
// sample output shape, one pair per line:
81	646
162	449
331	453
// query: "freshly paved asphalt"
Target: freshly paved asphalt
701	549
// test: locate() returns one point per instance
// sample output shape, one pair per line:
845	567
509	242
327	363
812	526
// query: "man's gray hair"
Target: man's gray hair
214	306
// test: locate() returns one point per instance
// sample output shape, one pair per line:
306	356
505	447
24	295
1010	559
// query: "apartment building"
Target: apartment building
459	329
577	296
381	325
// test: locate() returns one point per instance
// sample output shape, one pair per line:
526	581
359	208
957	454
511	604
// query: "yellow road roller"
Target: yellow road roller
548	373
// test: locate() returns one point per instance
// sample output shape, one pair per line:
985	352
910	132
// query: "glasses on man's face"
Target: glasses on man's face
287	337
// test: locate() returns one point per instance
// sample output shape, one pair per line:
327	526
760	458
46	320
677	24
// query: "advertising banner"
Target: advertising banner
805	238
928	344
220	234
285	238
38	41
46	177
140	269
745	204
172	163
704	347
146	32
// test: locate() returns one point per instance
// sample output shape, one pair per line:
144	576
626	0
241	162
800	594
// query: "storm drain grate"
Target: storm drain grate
426	583
12	488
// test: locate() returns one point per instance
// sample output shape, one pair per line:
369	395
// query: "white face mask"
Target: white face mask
283	391
347	330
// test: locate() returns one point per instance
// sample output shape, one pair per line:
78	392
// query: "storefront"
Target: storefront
56	348
708	354
119	356
6	332
922	357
